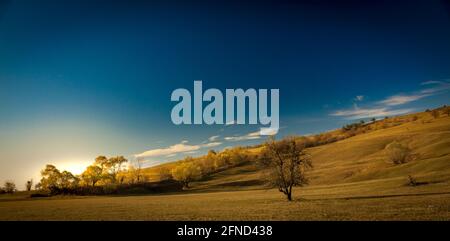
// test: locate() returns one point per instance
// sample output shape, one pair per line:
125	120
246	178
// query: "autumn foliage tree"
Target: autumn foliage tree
92	175
114	165
53	179
68	180
50	177
110	167
186	172
285	163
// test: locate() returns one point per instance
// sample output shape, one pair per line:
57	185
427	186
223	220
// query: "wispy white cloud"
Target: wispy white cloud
268	131
431	82
384	107
360	113
213	138
250	136
438	87
401	99
212	144
253	135
172	150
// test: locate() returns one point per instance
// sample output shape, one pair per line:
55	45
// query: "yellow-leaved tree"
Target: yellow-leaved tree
187	172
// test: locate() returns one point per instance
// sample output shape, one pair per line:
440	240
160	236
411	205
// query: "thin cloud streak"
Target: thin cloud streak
250	136
383	107
213	138
402	99
182	147
370	113
253	135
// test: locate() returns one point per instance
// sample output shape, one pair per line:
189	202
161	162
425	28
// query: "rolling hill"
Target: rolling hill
360	158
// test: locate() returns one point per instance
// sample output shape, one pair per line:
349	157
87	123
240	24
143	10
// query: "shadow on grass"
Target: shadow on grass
372	197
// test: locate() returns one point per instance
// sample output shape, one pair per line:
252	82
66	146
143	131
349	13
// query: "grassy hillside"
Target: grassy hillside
361	157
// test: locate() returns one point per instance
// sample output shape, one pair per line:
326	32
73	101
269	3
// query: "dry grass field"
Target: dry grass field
337	202
352	179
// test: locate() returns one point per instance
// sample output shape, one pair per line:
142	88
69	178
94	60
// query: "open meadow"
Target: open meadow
337	202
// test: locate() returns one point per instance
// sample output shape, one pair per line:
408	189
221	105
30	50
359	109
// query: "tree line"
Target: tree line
284	162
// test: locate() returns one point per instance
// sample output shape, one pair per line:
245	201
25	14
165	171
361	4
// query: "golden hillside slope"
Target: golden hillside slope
364	158
359	158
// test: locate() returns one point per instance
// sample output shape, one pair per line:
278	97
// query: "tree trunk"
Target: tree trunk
289	196
289	193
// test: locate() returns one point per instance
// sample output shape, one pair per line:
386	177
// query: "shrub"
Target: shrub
115	189
435	113
447	111
34	195
397	153
412	181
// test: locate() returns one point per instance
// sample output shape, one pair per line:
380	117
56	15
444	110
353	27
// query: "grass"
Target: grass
359	201
352	179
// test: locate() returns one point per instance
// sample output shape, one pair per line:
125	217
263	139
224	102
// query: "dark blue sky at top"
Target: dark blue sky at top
113	65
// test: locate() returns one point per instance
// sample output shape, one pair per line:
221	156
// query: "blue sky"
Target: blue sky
84	78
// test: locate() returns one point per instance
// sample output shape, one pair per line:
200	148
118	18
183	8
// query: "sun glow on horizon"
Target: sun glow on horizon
76	167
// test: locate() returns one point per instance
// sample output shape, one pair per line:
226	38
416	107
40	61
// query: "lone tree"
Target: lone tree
29	185
186	172
10	187
285	162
